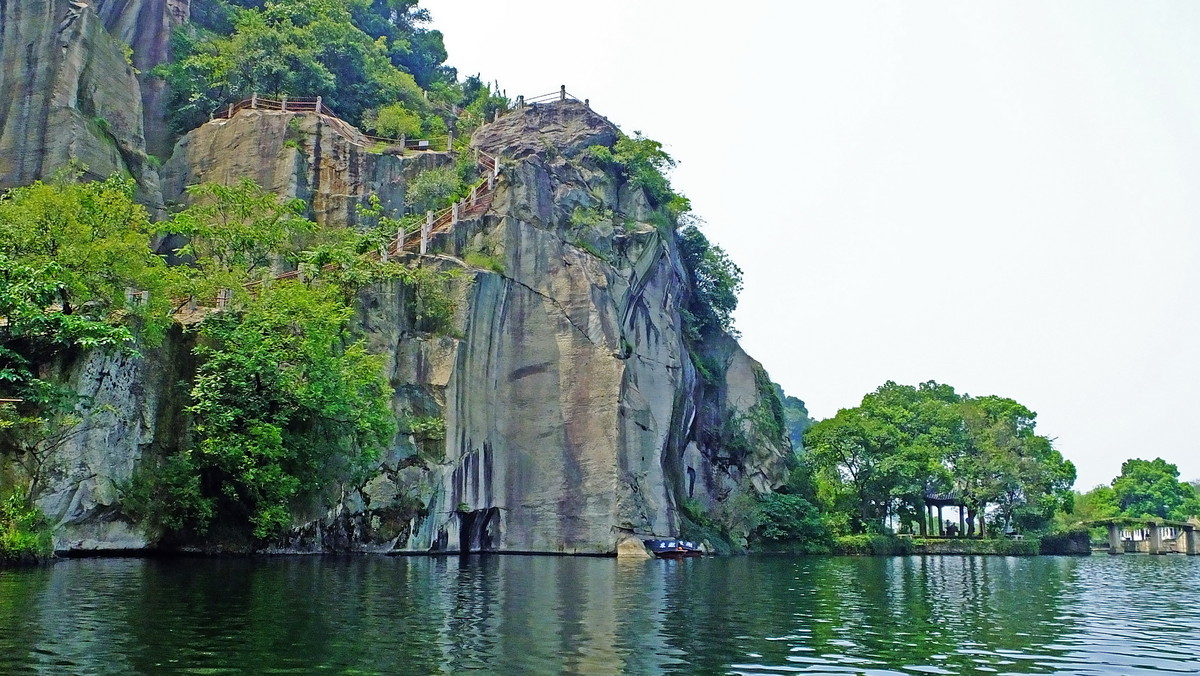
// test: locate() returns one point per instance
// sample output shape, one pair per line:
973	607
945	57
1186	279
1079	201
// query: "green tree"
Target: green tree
1151	488
235	233
68	254
432	189
299	48
716	282
282	402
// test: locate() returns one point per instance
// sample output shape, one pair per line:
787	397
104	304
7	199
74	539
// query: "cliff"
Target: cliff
75	74
574	414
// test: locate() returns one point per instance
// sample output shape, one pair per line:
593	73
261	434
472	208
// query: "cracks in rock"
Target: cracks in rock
554	301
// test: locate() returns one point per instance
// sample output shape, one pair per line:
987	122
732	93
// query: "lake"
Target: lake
550	615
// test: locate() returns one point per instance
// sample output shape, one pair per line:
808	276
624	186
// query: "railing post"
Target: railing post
449	141
283	103
383	253
520	101
231	111
254	100
145	297
399	240
562	93
222	299
454	214
318	105
491	182
403	142
425	232
191	304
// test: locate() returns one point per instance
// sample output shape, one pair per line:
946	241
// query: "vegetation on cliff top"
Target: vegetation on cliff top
372	61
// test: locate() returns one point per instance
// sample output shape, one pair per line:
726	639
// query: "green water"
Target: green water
535	615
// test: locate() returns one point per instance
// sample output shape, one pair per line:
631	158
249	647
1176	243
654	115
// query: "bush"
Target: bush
1016	547
478	259
871	545
791	523
24	531
394	121
1077	541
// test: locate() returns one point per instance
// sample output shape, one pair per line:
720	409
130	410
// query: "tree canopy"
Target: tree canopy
904	443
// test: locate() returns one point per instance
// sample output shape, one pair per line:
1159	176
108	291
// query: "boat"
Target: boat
674	549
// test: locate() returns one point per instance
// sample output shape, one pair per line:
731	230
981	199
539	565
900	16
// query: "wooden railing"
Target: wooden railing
348	131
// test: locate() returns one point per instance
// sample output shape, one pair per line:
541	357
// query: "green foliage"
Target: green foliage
24	530
1073	541
1151	488
426	427
716	282
301	48
235	232
68	253
644	164
590	217
279	401
695	524
904	443
393	121
871	545
432	307
91	242
795	417
791	522
433	189
478	259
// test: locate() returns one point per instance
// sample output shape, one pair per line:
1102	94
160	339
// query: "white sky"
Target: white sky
1001	196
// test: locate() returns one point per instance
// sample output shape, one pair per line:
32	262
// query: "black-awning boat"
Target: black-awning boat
674	549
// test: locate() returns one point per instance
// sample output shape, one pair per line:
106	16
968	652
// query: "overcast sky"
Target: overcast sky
1001	196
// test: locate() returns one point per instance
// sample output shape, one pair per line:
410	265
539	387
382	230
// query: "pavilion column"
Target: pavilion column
941	529
924	520
962	522
1114	539
1189	539
1155	539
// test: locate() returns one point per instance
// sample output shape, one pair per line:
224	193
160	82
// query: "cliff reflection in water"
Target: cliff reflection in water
517	614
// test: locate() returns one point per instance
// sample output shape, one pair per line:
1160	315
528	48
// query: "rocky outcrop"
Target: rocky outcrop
295	154
75	90
574	415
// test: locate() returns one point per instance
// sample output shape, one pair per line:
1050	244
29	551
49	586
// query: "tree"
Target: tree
849	451
68	254
282	401
300	48
1151	488
716	283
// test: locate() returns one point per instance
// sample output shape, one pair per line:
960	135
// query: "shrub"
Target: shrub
394	121
1077	541
24	531
478	259
1016	547
433	189
791	523
871	545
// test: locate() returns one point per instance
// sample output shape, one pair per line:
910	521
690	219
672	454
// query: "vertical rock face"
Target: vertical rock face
72	91
574	415
294	154
573	412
